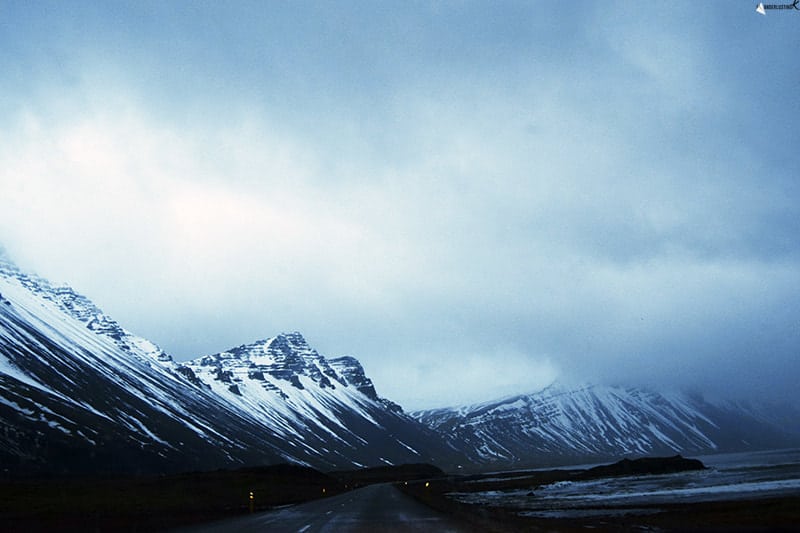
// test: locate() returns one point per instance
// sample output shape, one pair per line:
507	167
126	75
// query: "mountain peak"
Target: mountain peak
78	392
577	422
288	343
353	373
81	308
287	356
294	337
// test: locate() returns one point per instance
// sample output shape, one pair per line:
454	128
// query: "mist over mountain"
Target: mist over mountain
572	424
79	393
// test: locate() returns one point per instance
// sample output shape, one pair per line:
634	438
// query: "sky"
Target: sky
472	198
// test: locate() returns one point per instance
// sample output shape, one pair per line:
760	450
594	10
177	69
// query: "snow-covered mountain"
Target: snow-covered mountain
79	393
566	424
327	410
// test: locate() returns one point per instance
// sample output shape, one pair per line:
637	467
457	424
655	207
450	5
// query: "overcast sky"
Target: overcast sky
472	198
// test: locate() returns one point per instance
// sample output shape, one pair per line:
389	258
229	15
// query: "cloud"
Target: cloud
472	377
462	205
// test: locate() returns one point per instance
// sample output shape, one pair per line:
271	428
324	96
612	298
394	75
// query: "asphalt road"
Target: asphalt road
369	509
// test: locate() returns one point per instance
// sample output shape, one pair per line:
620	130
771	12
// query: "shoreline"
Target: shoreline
751	512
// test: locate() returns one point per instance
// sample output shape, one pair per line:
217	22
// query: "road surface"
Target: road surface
374	508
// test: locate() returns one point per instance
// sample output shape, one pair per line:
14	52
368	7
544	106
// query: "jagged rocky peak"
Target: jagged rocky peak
189	375
290	347
353	373
82	309
285	356
292	354
289	350
293	341
74	401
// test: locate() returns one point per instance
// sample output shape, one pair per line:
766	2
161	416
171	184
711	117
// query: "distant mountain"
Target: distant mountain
79	394
574	424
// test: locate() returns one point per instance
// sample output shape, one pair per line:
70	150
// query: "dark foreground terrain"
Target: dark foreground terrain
154	503
405	498
763	514
369	509
772	514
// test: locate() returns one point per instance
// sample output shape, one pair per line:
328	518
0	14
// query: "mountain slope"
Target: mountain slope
326	409
561	424
72	398
79	393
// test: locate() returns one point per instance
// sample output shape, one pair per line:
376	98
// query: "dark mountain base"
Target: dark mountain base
156	502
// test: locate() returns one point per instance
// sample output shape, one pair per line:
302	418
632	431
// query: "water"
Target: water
729	477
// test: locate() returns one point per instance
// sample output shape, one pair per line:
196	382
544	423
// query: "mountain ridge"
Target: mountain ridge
585	422
79	392
286	382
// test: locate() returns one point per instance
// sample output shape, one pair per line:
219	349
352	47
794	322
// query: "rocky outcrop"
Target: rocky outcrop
644	465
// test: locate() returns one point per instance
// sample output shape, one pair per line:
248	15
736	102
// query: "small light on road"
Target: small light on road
427	484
